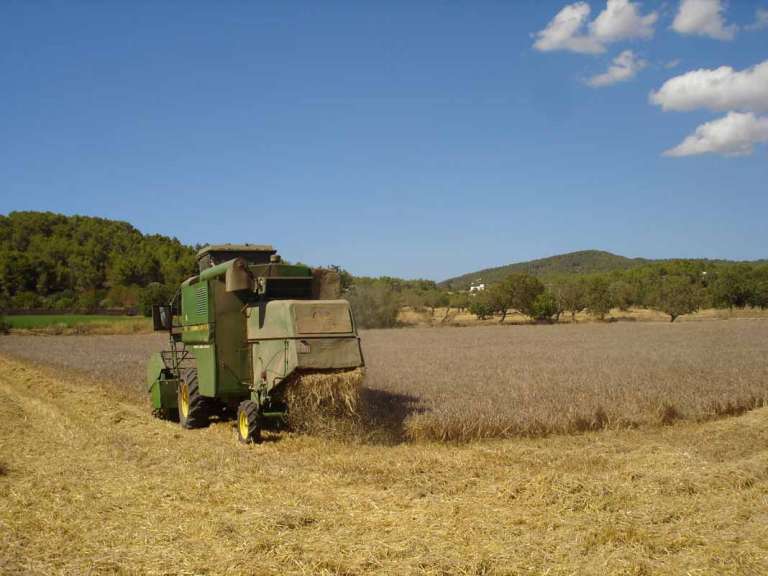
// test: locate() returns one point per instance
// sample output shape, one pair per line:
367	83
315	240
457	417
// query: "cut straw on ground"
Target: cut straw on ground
95	485
323	402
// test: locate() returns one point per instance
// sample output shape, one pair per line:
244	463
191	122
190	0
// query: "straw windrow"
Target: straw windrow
323	401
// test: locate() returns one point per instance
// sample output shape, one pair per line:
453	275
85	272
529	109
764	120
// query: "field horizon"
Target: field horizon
407	317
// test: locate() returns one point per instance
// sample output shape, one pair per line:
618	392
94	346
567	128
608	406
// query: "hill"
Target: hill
62	262
583	262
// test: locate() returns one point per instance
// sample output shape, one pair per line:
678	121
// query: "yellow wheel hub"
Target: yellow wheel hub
184	399
242	424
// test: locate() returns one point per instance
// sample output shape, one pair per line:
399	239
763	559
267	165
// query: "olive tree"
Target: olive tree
571	295
518	292
481	305
598	297
545	307
676	295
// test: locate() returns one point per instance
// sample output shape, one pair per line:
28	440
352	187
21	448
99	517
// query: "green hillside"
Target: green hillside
53	261
583	262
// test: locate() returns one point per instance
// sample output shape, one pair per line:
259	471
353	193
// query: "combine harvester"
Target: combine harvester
250	333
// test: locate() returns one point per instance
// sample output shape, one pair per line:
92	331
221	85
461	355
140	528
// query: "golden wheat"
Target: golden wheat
459	384
322	401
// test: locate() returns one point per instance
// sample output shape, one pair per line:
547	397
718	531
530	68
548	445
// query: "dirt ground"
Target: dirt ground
91	484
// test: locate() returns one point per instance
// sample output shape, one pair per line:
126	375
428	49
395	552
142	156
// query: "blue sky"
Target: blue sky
416	139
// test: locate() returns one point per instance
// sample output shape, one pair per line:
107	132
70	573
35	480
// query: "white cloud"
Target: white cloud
733	135
761	19
622	20
570	30
703	18
565	32
720	89
624	67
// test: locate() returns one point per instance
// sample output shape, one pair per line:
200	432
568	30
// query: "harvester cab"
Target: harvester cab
246	329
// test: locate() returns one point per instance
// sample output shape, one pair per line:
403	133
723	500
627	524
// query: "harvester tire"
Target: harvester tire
248	422
193	407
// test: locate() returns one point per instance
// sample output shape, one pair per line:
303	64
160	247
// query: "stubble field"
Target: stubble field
91	483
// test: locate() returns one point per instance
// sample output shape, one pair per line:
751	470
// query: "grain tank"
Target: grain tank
243	328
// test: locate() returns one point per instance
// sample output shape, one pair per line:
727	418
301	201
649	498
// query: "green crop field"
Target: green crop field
87	323
27	321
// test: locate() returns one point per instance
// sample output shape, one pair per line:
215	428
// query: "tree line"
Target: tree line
81	263
675	288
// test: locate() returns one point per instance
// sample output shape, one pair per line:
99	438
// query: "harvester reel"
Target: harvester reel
248	422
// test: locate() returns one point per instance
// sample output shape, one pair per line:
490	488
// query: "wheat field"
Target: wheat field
498	381
464	384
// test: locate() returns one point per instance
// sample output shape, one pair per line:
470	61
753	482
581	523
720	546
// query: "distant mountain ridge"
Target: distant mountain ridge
582	262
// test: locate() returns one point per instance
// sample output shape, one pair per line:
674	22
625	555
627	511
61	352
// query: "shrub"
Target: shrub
731	287
759	297
65	300
374	305
154	294
435	299
598	297
460	300
545	307
25	300
481	305
123	297
622	295
88	301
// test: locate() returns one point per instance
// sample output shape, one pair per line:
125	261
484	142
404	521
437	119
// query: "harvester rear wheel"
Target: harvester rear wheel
193	407
248	422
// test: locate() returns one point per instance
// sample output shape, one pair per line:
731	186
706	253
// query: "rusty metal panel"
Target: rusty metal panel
326	284
238	277
252	322
326	353
315	317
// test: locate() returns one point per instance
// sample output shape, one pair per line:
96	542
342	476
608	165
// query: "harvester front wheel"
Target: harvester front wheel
193	408
248	422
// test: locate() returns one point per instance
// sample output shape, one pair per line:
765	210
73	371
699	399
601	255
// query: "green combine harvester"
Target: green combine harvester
242	331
